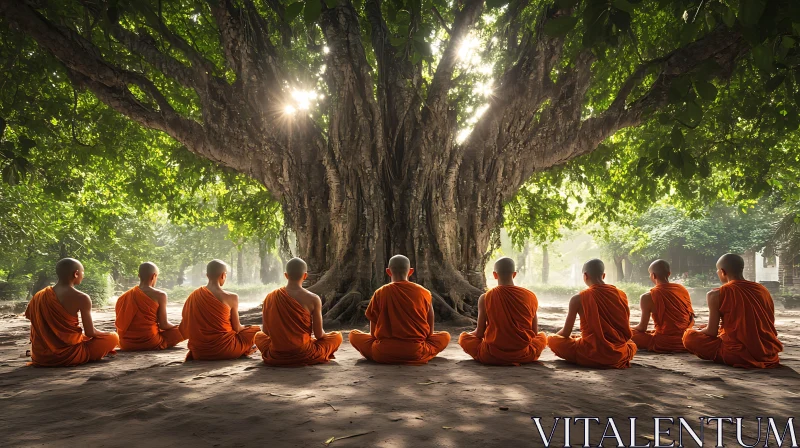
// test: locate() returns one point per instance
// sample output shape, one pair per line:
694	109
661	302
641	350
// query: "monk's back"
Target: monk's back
287	320
400	311
52	325
69	298
204	314
606	316
510	311
672	309
748	319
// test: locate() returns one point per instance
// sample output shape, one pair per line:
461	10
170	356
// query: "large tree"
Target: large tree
435	112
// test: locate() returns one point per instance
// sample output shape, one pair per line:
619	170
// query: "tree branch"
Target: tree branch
443	77
286	30
441	20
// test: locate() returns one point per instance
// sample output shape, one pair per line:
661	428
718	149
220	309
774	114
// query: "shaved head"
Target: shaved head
147	269
504	267
215	269
399	265
660	268
594	268
66	267
732	264
295	269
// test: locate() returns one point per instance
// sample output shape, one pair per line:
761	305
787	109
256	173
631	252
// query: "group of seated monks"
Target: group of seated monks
740	331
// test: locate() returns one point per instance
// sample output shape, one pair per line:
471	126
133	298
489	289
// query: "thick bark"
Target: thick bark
387	175
619	268
545	265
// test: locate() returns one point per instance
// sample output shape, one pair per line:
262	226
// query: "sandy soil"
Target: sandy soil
155	399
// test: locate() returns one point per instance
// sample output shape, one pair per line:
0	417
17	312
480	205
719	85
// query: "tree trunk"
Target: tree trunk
620	277
264	265
240	267
181	277
545	265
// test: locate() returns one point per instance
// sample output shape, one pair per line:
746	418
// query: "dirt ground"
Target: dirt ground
155	399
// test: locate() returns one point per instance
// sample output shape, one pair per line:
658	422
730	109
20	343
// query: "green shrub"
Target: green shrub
99	286
633	291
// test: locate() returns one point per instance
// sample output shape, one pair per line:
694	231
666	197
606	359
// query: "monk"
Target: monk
142	321
508	328
746	337
671	308
211	320
605	324
290	315
400	321
56	338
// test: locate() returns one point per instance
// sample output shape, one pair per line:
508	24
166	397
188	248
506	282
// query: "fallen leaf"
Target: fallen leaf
329	441
447	427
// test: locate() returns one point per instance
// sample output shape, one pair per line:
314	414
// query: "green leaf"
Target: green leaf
704	168
706	90
403	16
728	16
676	136
621	19
561	4
711	21
10	175
560	26
787	42
416	57
331	3
679	89
492	4
423	48
676	159
762	57
292	11
624	5
312	10
774	82
750	11
693	112
398	41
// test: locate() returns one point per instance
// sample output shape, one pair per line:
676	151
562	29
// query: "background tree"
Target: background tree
432	114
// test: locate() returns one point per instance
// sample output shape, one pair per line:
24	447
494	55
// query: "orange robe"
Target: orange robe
605	331
672	315
289	342
399	311
56	337
747	336
509	337
207	324
137	323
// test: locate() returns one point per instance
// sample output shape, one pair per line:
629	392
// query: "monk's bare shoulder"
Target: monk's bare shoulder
646	297
156	295
230	298
713	294
575	302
